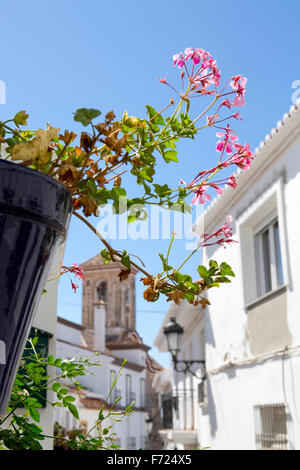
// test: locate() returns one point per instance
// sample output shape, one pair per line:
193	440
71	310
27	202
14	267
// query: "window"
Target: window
128	389
142	393
271	427
127	295
131	443
102	291
269	273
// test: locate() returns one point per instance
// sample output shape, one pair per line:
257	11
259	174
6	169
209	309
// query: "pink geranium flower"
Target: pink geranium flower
179	60
200	195
239	84
232	182
226	142
77	271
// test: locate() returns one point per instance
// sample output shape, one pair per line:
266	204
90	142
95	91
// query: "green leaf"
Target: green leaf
171	143
85	115
35	415
203	271
158	120
100	414
131	218
56	386
129	408
35	340
208	280
147	173
73	410
69	399
222	279
125	260
50	359
183	278
105	255
166	267
212	263
162	190
189	296
226	269
170	156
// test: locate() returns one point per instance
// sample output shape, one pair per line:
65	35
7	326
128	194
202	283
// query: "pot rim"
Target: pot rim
25	170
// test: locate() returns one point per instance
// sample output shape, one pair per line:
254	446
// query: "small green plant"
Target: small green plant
21	431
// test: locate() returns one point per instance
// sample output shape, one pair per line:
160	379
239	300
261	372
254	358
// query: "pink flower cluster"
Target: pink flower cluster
206	73
204	77
221	237
76	271
202	72
240	156
239	84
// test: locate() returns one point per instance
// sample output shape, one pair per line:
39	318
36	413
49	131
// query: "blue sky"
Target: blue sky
60	56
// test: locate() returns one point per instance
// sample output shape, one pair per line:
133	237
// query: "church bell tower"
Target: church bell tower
102	283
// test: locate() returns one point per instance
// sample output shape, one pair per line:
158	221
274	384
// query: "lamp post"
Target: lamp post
174	332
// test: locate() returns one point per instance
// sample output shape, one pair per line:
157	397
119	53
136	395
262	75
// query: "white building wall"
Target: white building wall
134	355
238	378
98	386
67	333
233	393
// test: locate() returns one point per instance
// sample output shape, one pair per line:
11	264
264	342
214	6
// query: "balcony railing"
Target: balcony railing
167	411
177	408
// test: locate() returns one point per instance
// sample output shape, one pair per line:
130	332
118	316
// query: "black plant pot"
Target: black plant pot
35	211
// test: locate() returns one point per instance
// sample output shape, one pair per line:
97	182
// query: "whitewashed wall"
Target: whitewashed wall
228	420
238	377
98	385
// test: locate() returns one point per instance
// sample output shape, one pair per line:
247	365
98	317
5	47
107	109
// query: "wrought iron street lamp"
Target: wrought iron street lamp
174	332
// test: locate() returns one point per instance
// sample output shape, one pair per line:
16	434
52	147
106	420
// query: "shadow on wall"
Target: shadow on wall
209	334
231	373
211	409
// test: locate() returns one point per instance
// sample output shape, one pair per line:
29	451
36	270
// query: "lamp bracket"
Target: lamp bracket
185	367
